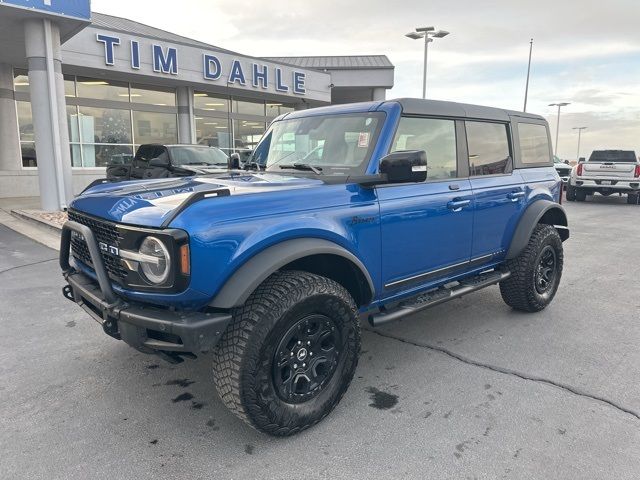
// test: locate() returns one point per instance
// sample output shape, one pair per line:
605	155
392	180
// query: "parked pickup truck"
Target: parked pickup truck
607	172
364	212
162	161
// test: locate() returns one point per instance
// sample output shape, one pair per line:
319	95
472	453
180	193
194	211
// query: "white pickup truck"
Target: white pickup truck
606	172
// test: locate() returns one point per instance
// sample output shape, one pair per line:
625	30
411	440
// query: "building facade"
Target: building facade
81	91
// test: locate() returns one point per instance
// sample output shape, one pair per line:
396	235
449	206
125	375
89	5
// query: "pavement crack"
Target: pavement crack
508	371
27	265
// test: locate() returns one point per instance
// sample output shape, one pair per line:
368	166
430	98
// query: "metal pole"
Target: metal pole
578	152
555	152
424	73
526	88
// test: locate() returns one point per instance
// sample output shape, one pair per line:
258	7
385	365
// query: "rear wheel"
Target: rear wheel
536	272
632	198
571	193
581	195
289	354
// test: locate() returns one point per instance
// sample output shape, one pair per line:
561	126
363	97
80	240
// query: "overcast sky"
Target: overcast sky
585	52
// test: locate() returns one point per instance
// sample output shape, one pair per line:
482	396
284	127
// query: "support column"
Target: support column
379	93
10	155
186	120
46	88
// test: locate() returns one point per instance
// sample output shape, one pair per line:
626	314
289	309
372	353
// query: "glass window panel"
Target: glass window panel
76	156
212	103
150	127
247	133
102	89
275	109
488	146
436	137
72	123
104	125
249	107
153	96
69	86
20	81
534	143
214	132
28	154
101	155
25	122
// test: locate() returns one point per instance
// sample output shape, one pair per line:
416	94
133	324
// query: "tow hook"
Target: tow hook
67	292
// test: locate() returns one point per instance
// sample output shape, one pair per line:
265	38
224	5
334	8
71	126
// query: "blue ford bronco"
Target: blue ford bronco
349	213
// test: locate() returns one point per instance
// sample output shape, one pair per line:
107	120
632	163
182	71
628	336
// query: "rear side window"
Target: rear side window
534	144
436	137
488	145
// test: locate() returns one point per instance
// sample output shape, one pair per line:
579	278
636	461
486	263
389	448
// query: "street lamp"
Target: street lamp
579	133
428	33
559	105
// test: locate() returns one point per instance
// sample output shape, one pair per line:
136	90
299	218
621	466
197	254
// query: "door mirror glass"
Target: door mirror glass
160	162
405	166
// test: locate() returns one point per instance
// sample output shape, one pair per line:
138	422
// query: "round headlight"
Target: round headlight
156	269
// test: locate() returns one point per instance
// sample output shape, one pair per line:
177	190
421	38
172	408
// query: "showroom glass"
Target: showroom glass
534	143
210	102
69	86
275	109
186	155
155	96
27	137
104	125
247	107
152	127
247	133
20	81
434	136
339	144
213	132
488	146
102	89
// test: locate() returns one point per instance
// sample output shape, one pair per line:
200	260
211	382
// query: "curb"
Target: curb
31	217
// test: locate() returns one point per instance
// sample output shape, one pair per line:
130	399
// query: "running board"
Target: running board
437	296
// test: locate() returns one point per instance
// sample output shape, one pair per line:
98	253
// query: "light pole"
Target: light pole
526	88
559	105
579	133
428	33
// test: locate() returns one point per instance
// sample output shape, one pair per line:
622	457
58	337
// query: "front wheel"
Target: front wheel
536	272
289	354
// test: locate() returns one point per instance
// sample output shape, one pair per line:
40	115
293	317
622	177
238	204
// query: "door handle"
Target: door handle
515	196
456	205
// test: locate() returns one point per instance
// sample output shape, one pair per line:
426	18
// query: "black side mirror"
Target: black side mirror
405	166
160	162
234	161
581	159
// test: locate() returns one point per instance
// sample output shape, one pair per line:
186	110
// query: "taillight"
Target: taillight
637	172
579	171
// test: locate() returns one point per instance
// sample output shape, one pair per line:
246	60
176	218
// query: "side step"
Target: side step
439	295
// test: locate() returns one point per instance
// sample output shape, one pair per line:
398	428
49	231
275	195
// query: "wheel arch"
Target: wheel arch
313	255
541	211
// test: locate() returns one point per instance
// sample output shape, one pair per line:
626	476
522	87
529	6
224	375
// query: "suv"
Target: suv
369	211
160	161
563	168
607	172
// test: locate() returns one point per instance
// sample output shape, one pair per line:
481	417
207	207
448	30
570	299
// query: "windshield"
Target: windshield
613	156
185	155
326	144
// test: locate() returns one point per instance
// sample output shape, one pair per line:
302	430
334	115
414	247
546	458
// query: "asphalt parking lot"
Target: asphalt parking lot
468	389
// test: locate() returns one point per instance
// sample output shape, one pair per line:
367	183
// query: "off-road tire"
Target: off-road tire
243	359
519	290
571	193
581	195
632	198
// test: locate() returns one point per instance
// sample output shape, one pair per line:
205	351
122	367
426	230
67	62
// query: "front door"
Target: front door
426	227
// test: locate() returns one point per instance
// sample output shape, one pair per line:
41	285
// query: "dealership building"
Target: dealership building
80	89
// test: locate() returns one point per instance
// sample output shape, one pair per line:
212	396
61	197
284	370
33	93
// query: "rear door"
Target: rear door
426	227
498	190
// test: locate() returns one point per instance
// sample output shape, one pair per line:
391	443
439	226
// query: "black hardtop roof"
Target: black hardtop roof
419	106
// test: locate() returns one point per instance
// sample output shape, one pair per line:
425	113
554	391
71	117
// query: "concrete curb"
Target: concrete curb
44	234
33	217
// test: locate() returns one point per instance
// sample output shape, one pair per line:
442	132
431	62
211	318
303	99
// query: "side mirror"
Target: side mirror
567	162
160	162
581	159
234	161
405	166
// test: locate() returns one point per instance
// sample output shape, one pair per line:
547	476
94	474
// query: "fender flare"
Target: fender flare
258	268
554	215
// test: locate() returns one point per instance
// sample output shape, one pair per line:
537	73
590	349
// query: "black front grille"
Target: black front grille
106	233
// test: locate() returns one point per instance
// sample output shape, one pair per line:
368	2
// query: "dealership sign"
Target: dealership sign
80	9
216	68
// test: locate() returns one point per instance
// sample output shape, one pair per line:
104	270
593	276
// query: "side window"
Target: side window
436	137
534	144
488	146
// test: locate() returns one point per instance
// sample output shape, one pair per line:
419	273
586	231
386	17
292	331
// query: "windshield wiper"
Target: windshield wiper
304	166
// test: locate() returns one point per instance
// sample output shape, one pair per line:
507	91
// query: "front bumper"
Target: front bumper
144	327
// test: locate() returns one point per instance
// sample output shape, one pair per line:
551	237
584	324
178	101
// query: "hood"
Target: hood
149	202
